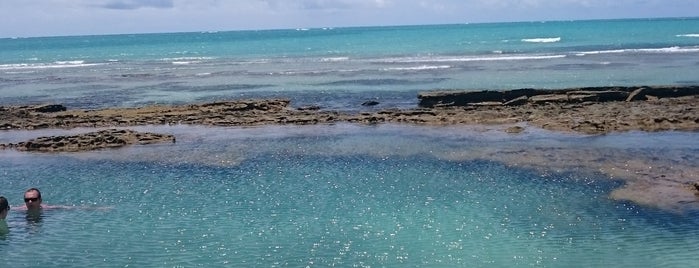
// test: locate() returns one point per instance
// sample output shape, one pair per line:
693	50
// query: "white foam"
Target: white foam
187	59
642	50
542	40
687	35
668	50
419	68
600	52
54	65
334	59
316	72
20	72
184	62
473	58
70	62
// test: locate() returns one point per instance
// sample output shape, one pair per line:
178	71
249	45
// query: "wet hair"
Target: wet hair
3	204
34	189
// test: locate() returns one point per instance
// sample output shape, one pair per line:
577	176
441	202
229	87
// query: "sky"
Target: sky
27	18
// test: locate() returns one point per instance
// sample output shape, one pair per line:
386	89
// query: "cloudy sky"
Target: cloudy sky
22	18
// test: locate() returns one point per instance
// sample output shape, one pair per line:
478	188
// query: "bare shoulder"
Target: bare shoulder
76	207
67	207
58	207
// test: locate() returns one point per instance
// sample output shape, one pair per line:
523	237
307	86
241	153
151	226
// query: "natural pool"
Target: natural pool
342	195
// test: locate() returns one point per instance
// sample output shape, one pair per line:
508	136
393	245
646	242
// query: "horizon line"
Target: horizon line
346	27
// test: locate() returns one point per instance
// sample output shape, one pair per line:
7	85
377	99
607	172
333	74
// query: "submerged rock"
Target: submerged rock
370	103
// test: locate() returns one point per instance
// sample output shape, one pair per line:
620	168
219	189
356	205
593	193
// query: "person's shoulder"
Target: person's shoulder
56	207
43	206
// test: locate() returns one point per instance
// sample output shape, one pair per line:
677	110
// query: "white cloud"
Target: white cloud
136	4
325	4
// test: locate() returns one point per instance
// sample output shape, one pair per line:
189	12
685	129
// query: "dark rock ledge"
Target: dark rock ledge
110	138
544	96
592	110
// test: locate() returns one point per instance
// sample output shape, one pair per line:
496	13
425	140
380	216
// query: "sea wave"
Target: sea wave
687	35
53	65
674	49
471	58
184	62
315	72
419	68
334	59
187	58
542	40
70	62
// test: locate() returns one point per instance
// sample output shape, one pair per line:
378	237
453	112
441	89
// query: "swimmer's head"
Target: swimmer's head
32	199
4	207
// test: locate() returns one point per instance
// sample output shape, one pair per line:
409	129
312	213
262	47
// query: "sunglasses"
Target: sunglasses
31	199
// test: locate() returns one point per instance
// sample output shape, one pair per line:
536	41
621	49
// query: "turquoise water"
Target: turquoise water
339	195
340	68
343	195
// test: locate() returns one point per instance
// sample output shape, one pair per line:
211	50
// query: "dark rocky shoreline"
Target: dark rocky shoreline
587	110
544	96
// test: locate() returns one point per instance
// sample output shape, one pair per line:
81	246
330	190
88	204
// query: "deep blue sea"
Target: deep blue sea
346	195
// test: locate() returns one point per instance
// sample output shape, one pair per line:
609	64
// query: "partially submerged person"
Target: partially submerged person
4	209
32	199
34	204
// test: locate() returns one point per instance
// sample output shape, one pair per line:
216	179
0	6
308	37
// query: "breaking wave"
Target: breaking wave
471	58
542	40
675	49
53	65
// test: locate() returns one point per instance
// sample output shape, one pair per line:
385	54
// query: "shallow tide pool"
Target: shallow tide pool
349	196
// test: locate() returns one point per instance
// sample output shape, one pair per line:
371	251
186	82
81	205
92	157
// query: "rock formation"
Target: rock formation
110	138
541	96
587	110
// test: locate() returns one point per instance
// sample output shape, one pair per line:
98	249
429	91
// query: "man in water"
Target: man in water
32	199
4	207
34	207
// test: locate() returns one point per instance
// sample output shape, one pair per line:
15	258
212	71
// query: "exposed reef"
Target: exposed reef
586	110
544	96
109	138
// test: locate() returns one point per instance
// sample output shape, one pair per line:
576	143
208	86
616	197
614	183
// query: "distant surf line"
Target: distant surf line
542	40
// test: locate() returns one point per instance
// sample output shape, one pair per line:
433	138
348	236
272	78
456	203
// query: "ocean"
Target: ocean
346	195
339	68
